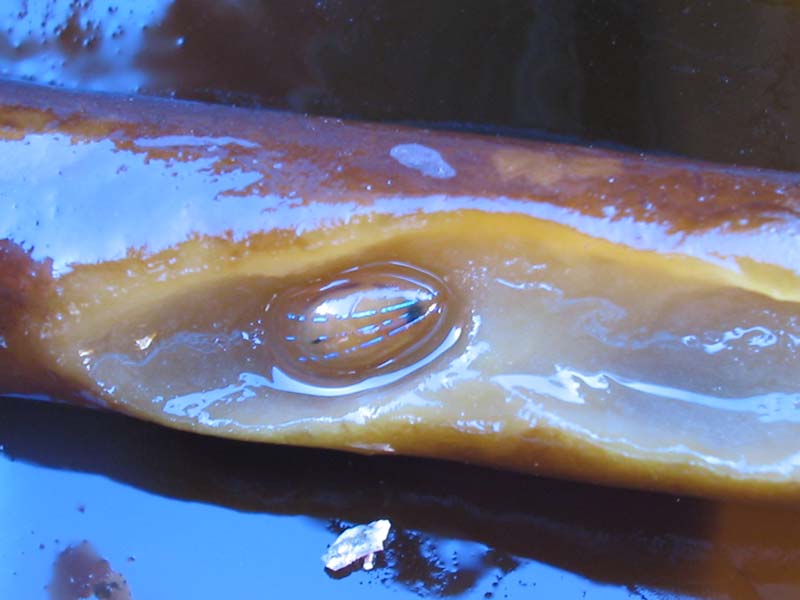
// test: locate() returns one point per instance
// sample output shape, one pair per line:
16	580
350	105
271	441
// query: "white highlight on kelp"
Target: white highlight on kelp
423	159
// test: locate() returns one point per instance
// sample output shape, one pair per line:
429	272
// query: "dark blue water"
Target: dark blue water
187	516
211	520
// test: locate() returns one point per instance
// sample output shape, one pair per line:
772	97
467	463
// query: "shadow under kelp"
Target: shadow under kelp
615	536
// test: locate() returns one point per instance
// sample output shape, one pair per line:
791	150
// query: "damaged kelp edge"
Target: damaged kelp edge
569	312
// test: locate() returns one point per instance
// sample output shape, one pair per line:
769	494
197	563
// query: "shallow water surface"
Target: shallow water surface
187	516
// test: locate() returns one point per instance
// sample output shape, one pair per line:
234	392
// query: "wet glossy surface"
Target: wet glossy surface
184	515
603	314
675	68
710	79
360	328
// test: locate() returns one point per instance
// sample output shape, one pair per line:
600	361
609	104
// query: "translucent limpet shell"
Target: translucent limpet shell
359	323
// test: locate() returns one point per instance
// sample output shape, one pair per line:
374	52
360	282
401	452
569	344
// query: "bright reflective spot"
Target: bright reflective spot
423	159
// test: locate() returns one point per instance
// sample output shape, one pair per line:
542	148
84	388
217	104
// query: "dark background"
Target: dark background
714	79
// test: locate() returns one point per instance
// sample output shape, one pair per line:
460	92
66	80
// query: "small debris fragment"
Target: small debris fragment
80	572
143	343
361	541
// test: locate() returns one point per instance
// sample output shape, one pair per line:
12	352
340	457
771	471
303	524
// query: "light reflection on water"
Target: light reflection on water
174	548
208	518
92	45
